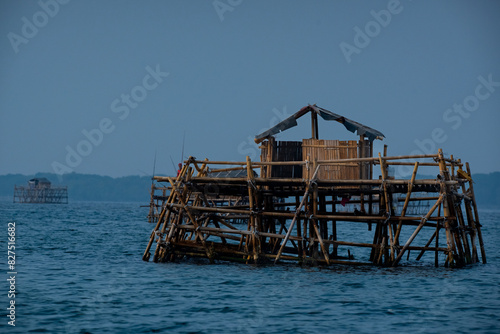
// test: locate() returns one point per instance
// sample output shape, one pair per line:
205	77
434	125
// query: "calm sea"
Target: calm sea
79	270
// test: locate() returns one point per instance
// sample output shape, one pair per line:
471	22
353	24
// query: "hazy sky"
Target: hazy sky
100	86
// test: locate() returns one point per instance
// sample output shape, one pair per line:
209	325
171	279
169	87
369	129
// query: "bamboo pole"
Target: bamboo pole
472	226
304	199
461	225
227	169
381	246
365	245
449	239
270	154
405	207
314	125
460	234
322	162
436	254
340	161
386	225
251	199
476	222
321	242
446	208
426	245
314	202
384	186
320	182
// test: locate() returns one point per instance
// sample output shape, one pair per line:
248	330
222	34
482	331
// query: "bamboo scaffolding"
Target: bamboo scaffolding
419	227
270	218
309	194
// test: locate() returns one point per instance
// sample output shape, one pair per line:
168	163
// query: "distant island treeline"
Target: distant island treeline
89	187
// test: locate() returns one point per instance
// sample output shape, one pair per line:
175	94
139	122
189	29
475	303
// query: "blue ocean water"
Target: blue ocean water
79	270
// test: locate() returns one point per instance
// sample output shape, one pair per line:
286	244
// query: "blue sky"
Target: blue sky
113	82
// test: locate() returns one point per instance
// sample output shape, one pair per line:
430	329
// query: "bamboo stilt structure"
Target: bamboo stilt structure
281	219
224	210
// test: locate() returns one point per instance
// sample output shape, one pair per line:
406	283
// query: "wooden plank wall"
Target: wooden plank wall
287	151
365	152
272	150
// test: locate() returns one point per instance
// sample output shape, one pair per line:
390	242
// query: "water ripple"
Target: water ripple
80	271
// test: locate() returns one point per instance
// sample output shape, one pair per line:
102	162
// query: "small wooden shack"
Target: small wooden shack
314	149
40	190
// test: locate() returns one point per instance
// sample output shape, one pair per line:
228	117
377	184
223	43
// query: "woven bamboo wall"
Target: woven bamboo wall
320	149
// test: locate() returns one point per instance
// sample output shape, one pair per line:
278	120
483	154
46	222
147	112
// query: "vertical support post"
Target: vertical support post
323	222
472	225
476	222
371	163
270	155
314	125
251	200
361	154
386	225
334	227
446	209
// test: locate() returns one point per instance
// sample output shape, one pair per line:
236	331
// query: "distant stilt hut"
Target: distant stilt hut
40	190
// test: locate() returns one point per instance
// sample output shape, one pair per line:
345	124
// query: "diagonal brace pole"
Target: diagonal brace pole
297	213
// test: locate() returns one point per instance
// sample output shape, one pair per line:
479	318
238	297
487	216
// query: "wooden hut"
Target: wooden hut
40	190
314	149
